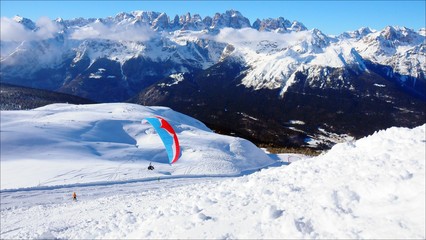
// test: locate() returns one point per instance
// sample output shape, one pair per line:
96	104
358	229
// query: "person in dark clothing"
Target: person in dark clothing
150	167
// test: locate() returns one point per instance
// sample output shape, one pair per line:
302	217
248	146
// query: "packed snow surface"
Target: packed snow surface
370	188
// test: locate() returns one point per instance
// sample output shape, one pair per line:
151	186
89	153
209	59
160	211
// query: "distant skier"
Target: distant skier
150	167
74	196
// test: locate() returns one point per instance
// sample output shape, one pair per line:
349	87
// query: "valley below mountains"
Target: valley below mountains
274	82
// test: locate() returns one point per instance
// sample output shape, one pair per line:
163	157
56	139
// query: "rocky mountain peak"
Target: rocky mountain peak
146	16
272	24
161	22
297	26
400	35
123	16
231	18
357	34
27	23
390	33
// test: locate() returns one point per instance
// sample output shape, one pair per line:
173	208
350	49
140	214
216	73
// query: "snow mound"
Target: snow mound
372	188
62	144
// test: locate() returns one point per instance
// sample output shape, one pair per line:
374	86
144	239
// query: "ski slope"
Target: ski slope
370	188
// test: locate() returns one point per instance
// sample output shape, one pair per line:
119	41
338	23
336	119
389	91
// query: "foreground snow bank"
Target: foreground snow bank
64	144
373	188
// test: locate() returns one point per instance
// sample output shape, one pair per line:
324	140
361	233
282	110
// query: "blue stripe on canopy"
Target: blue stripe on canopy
165	136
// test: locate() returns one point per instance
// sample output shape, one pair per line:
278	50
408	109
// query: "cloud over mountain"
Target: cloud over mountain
15	29
98	30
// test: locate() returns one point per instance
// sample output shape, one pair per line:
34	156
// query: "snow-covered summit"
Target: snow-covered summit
357	34
279	25
27	23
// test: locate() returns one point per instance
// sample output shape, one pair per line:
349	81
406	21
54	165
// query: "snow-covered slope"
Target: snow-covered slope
373	188
64	144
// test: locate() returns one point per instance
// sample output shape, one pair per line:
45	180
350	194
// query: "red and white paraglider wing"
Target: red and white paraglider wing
168	136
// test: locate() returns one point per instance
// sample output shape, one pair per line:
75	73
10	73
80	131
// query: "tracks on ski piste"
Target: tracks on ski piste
140	180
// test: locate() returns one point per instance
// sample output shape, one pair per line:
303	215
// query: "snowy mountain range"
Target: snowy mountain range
279	64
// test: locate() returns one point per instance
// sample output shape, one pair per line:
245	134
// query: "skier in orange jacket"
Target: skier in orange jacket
74	196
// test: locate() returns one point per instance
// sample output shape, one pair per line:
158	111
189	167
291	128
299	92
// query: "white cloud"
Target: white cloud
249	35
14	31
46	28
98	30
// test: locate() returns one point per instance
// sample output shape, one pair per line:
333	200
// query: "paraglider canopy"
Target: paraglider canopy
167	135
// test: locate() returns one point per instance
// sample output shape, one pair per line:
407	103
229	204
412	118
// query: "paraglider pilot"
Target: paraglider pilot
150	167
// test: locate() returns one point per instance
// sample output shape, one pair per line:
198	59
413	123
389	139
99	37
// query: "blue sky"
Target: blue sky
331	17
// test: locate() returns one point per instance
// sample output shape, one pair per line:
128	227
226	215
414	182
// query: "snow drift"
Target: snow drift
64	144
